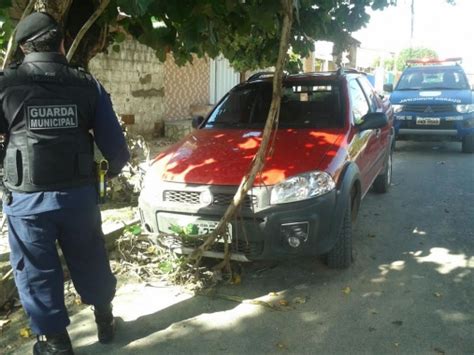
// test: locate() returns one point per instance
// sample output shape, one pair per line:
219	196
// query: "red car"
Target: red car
334	141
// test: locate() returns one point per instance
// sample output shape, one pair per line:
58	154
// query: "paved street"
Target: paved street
410	290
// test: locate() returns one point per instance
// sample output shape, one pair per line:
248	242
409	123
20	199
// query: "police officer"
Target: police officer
51	113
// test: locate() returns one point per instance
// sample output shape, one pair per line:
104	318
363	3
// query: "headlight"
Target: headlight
397	108
302	187
465	108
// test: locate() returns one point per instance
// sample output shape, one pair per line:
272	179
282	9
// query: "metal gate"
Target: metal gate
222	79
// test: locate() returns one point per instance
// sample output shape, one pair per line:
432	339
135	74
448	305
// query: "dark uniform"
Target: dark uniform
48	110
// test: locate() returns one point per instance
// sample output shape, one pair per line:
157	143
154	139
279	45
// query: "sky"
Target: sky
447	29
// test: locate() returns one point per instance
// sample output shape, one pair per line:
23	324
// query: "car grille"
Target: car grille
192	198
250	249
429	108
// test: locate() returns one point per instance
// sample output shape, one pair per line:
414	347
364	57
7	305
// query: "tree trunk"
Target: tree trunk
264	150
71	15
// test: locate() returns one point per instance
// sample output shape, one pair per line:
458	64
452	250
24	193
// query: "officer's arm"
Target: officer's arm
3	132
3	121
108	134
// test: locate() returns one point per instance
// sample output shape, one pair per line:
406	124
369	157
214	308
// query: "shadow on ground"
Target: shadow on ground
410	289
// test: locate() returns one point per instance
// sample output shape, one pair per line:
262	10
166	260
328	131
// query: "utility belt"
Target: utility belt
102	169
7	197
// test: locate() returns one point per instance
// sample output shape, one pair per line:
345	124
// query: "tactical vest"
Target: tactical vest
49	107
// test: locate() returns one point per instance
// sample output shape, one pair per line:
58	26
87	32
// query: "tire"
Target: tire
384	180
468	144
340	257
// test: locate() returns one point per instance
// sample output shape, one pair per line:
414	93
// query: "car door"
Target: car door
364	145
383	135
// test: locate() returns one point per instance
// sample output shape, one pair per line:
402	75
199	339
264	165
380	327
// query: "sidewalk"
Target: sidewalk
162	319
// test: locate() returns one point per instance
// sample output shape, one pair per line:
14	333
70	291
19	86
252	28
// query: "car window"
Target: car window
370	93
303	105
433	79
360	106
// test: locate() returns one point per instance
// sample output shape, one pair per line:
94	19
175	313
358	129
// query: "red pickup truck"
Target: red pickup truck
334	141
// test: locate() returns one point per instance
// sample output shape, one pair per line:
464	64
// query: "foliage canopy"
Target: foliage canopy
246	32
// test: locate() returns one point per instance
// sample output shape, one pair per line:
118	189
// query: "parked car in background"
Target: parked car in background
434	100
334	142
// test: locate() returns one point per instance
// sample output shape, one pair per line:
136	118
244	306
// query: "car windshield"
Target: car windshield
433	79
303	105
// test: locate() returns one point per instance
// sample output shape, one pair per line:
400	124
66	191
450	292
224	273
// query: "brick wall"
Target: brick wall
134	78
145	91
185	87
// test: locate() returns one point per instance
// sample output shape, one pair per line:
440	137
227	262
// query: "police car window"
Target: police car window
303	105
369	91
433	79
360	106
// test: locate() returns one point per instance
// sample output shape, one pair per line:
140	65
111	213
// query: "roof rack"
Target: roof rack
260	75
431	61
341	71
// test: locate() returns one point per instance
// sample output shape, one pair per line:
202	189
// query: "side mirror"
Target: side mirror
373	120
388	87
197	121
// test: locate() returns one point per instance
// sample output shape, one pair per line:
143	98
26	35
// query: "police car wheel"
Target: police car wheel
468	144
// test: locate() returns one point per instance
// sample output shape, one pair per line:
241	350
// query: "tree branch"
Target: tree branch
11	48
85	28
272	123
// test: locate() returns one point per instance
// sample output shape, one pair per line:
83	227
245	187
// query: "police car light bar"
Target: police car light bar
427	61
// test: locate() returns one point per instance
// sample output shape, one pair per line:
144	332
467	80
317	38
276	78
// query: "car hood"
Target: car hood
223	157
431	97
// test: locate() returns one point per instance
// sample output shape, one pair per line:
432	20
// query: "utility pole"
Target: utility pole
412	22
412	28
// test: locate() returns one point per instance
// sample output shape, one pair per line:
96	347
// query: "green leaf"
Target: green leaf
136	229
176	229
116	48
134	7
166	266
5	3
120	37
191	229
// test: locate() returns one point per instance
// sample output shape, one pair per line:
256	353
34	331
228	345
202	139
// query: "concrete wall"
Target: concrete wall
134	77
145	91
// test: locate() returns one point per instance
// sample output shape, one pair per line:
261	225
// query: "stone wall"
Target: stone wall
134	78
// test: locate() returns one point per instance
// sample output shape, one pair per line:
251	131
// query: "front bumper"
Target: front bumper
260	231
453	126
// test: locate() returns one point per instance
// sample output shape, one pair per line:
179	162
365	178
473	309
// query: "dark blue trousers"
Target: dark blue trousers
37	268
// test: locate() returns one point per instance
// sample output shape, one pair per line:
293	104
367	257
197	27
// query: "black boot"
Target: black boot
105	323
53	344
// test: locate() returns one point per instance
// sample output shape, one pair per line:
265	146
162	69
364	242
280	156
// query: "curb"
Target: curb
7	285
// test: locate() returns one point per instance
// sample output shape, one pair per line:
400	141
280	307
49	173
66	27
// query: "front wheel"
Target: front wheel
384	180
340	257
468	144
